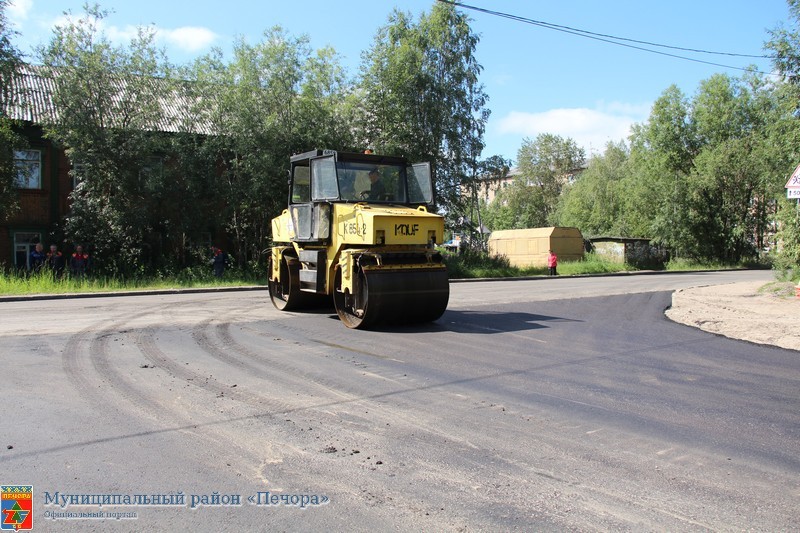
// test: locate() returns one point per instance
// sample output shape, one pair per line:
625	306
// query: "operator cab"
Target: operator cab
330	176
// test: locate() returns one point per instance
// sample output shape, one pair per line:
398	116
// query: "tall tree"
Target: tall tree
106	104
595	201
422	98
546	164
10	61
272	99
785	44
703	169
730	172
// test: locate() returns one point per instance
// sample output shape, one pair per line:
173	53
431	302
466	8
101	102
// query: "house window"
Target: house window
24	243
29	168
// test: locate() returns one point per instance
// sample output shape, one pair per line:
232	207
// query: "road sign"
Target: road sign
793	193
794	180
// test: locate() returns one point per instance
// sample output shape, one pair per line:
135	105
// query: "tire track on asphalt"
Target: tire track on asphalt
73	362
135	403
160	358
389	406
289	372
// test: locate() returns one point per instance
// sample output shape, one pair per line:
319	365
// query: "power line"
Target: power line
611	39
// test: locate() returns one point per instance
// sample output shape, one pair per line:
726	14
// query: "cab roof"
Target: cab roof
351	156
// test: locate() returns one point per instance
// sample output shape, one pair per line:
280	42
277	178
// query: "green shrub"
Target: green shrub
681	263
474	264
16	283
470	263
591	264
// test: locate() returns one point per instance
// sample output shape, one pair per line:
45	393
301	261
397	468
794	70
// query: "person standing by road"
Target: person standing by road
55	262
79	263
552	263
37	258
219	261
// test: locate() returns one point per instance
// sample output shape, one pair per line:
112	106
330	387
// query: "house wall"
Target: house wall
40	210
612	251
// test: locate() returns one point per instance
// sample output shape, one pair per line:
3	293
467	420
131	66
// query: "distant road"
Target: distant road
539	404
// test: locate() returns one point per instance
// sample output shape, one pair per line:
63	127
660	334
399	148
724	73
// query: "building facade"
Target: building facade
43	188
45	176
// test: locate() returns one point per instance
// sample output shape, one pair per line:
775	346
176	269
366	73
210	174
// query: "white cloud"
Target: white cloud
18	10
590	128
188	38
121	35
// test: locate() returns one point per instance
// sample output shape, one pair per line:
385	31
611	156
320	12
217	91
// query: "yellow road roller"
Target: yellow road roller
358	230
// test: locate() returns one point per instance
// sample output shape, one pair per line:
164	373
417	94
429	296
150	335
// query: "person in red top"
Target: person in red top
79	263
219	261
552	263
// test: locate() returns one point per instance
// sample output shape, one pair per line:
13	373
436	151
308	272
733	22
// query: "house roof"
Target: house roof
622	240
33	88
535	233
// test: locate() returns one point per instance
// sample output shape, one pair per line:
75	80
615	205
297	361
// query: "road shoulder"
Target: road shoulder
738	311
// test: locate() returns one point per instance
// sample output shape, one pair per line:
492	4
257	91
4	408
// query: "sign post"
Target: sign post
793	191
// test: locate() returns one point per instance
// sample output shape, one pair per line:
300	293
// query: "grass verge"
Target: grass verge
470	264
778	289
13	284
467	264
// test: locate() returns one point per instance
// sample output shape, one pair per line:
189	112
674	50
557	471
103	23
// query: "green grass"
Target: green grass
691	264
43	283
591	264
470	264
778	289
467	264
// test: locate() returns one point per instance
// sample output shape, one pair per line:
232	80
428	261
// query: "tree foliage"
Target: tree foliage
165	157
272	99
422	98
595	202
701	175
546	164
10	61
785	44
106	104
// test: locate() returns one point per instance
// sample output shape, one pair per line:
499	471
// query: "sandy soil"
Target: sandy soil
739	311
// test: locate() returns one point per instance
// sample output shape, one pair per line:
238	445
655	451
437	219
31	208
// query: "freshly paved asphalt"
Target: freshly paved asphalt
530	405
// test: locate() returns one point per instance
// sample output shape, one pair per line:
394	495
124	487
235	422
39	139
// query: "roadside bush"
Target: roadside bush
470	263
591	264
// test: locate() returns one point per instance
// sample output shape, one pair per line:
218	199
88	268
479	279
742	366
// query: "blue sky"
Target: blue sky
538	80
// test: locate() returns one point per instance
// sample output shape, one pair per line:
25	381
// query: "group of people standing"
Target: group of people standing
79	262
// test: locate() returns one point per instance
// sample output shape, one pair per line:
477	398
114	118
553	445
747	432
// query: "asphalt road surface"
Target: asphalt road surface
556	404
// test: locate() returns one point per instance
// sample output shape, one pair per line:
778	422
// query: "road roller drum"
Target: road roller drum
394	297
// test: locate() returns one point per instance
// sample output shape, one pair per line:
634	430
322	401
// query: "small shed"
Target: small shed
640	253
529	247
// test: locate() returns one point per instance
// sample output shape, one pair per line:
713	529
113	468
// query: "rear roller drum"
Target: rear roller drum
285	293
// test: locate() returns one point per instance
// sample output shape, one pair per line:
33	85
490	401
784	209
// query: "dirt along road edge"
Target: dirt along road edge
740	311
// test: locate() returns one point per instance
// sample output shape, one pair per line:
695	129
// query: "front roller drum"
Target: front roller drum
393	297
